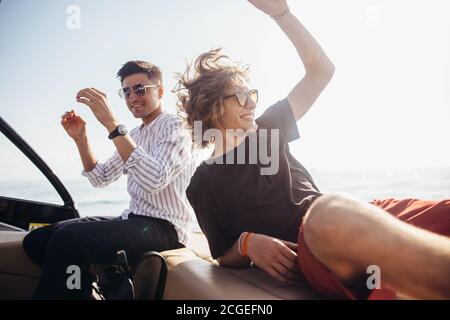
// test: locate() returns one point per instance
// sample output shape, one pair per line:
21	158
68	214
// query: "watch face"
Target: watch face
122	129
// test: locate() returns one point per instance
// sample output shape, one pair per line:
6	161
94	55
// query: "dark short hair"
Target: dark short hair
137	66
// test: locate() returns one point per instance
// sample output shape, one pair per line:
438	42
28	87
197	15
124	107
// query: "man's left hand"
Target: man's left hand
98	103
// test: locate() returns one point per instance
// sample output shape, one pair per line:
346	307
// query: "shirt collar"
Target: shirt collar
151	124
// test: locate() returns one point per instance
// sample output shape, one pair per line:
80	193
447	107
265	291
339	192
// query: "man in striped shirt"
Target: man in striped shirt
156	157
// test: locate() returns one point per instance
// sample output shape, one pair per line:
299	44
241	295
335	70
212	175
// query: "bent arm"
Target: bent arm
319	68
155	170
125	145
276	257
232	258
86	154
99	174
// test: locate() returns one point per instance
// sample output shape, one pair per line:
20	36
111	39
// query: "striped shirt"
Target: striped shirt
158	171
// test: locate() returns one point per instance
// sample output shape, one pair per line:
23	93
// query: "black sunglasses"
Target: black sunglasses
242	97
138	89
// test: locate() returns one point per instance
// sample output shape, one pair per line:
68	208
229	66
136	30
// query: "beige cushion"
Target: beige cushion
193	274
18	274
14	259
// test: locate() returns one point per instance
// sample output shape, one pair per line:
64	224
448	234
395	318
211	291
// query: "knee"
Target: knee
333	218
66	237
32	249
29	241
35	244
327	232
326	214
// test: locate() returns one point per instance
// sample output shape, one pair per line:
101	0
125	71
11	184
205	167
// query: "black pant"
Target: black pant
81	242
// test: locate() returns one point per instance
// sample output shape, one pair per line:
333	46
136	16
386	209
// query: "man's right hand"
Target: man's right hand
74	125
277	257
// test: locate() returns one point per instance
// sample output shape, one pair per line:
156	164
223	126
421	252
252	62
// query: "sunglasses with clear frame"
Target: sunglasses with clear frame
138	89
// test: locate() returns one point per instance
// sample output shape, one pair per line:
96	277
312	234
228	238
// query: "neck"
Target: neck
152	116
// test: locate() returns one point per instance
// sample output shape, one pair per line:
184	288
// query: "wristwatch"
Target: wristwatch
120	130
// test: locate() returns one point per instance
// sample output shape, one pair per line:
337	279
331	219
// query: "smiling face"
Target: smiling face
148	106
235	115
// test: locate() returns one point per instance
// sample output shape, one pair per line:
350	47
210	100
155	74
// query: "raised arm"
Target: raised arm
99	174
100	107
319	68
154	170
75	127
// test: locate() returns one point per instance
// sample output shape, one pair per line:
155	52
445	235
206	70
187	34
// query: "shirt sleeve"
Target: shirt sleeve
105	173
207	217
279	116
154	170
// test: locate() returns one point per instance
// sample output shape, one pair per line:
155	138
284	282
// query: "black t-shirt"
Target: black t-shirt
229	199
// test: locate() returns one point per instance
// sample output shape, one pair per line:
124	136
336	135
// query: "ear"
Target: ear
161	91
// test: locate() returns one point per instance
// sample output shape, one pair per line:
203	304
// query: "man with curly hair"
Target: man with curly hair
281	222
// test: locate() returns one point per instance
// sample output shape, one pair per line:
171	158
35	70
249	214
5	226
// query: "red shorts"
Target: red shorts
430	215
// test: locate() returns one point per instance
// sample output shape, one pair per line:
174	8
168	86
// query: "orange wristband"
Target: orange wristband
244	244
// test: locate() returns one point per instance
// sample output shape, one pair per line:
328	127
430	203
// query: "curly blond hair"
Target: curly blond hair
201	89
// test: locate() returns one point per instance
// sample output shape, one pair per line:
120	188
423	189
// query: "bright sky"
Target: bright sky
388	105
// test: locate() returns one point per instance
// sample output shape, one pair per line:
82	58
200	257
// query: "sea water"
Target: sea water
431	183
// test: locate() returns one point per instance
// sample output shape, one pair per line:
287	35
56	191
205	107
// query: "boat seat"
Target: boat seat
18	274
194	275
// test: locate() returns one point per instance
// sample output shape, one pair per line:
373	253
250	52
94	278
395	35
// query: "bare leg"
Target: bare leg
348	235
